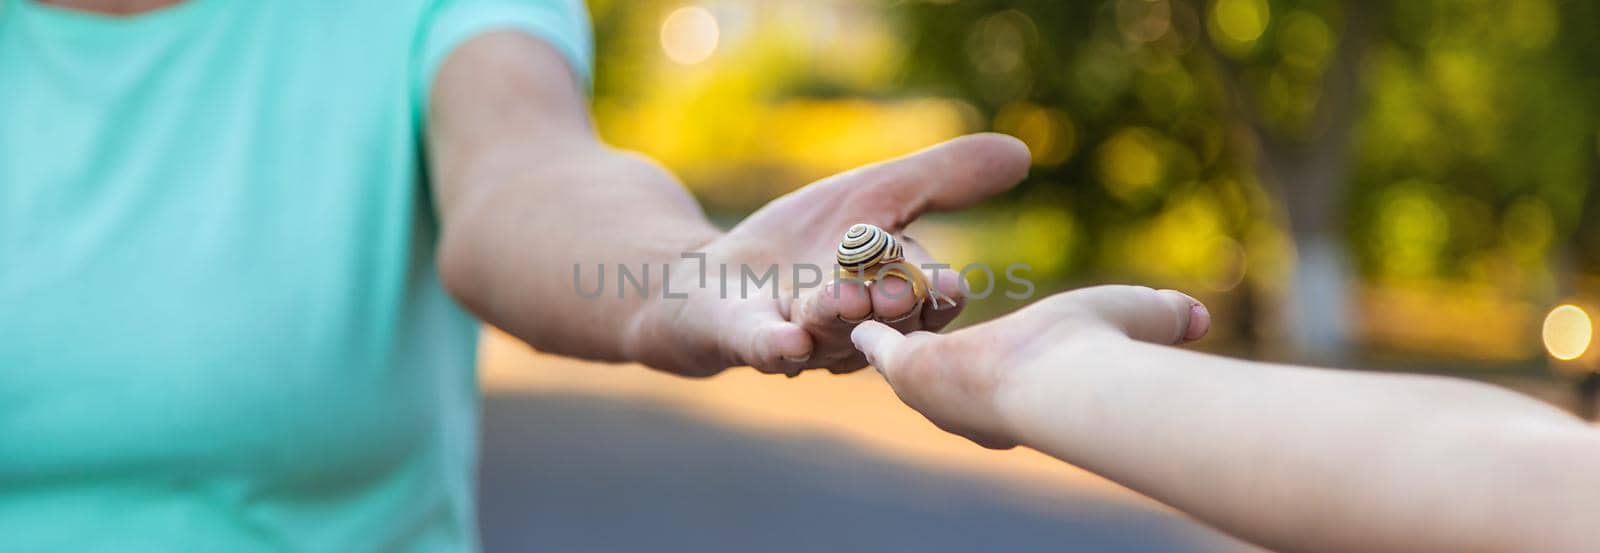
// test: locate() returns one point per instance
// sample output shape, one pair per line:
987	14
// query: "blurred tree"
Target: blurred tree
1476	155
1137	132
1409	143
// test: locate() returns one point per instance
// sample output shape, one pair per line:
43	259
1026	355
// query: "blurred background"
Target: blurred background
1375	185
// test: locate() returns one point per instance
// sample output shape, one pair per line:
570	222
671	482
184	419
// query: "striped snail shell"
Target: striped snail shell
865	246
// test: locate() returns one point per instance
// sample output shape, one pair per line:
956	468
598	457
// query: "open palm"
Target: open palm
711	330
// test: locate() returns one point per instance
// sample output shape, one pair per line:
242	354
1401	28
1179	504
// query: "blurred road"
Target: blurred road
581	457
577	473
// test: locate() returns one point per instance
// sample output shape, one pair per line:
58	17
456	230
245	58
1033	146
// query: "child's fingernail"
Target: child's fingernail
797	359
1199	322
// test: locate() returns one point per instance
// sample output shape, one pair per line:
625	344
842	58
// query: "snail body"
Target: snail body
869	253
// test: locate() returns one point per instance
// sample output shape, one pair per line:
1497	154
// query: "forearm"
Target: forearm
1315	460
534	212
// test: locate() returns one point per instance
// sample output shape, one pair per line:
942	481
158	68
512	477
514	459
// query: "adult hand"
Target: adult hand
709	331
971	382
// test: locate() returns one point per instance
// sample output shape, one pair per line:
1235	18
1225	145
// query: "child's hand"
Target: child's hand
969	381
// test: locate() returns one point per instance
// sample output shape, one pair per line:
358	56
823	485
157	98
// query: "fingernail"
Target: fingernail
908	315
799	359
1199	322
852	321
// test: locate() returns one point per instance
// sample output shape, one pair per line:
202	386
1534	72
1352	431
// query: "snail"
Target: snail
869	253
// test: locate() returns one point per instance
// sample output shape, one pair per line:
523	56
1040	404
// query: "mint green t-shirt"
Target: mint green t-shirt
220	323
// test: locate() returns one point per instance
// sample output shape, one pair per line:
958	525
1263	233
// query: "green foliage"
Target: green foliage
1459	135
1482	114
1132	90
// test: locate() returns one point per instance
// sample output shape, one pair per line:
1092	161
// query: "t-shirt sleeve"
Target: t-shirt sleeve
446	24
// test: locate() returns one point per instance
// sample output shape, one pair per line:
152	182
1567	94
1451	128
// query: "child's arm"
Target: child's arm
1292	458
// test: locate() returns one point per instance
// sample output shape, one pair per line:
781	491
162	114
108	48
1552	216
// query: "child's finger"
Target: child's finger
879	342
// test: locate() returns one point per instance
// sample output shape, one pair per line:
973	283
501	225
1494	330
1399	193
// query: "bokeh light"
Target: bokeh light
1568	331
1130	163
1236	25
689	35
1143	20
1306	40
1411	231
1048	132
